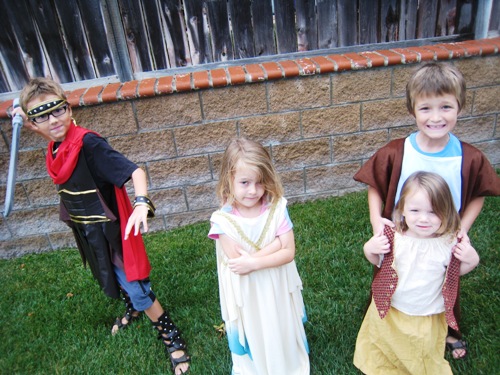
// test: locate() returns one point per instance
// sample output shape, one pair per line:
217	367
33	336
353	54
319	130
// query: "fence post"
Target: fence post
482	19
119	47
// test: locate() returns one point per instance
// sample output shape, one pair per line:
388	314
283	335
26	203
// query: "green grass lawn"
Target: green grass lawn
55	320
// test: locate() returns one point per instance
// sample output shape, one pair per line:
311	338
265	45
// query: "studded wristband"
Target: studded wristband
142	200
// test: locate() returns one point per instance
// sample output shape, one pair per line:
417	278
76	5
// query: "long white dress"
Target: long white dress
263	311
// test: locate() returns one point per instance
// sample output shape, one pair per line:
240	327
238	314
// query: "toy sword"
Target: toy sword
17	123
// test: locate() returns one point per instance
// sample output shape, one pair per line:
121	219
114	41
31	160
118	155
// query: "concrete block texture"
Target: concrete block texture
356	86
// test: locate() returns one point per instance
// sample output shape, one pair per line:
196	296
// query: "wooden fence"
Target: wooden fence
77	40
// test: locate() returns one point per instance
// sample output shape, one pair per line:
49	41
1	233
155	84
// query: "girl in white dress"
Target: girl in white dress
404	330
259	286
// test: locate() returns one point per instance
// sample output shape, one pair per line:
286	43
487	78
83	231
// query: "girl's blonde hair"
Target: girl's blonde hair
435	79
256	157
37	87
441	201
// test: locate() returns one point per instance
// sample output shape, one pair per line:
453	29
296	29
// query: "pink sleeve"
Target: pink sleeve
286	225
214	232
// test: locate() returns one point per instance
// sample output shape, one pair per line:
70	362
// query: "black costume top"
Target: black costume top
89	207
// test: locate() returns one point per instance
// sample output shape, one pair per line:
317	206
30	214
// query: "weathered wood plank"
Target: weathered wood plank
495	17
447	18
369	21
466	9
284	14
263	28
411	20
93	22
327	23
402	21
390	14
348	23
4	82
50	37
31	59
427	12
218	23
152	20
14	74
193	12
241	20
177	45
75	39
307	27
135	33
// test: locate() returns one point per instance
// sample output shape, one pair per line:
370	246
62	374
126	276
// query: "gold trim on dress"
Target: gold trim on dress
256	245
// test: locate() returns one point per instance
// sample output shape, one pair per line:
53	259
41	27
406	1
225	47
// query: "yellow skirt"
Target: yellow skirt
401	344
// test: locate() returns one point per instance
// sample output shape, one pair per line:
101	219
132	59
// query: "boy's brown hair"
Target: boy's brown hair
256	157
39	86
441	201
435	79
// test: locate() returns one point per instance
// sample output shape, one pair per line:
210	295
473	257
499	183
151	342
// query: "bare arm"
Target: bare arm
140	213
230	247
247	263
471	213
269	248
233	249
375	206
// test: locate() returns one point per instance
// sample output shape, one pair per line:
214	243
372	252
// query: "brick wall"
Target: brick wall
321	118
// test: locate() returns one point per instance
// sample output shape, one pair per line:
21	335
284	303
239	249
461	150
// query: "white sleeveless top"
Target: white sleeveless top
446	163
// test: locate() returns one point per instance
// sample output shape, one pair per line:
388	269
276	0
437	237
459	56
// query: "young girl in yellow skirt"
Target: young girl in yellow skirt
414	291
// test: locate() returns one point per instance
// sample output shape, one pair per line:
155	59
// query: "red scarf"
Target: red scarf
60	168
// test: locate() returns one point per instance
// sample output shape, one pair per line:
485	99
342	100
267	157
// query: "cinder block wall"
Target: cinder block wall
321	118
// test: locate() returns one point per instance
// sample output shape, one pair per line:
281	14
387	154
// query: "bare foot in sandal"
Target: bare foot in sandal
125	321
458	348
183	367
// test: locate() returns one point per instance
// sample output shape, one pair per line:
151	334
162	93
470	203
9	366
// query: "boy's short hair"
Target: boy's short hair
441	201
434	79
39	86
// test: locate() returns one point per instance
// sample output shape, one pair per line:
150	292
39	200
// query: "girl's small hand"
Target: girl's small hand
378	244
466	254
242	265
139	216
464	251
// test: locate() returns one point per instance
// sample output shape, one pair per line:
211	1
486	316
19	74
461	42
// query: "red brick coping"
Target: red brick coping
274	70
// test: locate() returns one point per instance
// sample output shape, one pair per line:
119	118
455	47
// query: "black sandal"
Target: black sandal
457	345
171	337
130	315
